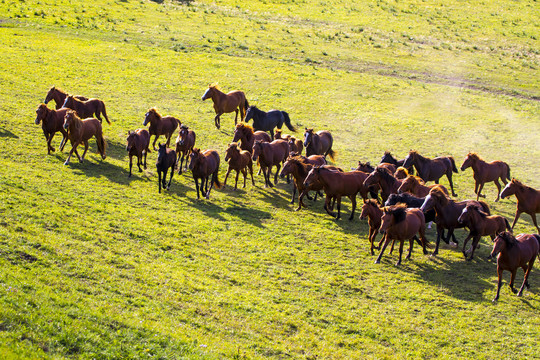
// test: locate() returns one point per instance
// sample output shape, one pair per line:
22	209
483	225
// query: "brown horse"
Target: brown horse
448	212
137	145
280	136
484	172
88	108
401	173
400	223
432	169
415	185
51	122
386	181
296	145
480	224
528	200
80	131
203	165
184	145
389	159
268	155
166	159
299	167
513	253
59	97
160	125
319	143
245	134
226	103
240	161
337	184
373	213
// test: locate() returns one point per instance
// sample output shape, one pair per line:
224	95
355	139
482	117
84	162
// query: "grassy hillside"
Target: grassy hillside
98	265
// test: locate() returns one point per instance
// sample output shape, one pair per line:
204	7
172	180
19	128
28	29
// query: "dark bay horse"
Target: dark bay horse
373	213
240	161
415	185
137	145
448	212
166	160
386	182
402	223
245	134
269	155
226	103
267	121
432	169
80	131
484	172
513	253
389	159
319	143
184	145
51	122
88	108
160	125
203	165
480	224
299	167
59	97
528	200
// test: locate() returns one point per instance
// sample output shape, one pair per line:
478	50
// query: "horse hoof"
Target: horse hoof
377	261
519	294
494	300
66	163
398	263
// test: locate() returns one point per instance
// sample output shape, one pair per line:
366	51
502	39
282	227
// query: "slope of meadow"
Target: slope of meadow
98	265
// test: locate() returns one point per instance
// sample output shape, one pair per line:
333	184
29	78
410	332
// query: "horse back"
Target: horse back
91	127
529	247
57	120
262	136
169	123
212	160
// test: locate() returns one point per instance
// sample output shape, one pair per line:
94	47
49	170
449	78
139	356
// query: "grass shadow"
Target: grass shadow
101	168
8	134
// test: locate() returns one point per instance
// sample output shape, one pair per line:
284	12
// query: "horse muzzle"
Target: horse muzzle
37	121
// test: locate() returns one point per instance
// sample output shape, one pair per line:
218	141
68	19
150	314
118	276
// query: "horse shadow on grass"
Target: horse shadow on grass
8	134
98	168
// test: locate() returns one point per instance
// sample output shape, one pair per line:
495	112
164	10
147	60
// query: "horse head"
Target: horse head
469	160
509	189
435	197
308	136
504	240
132	135
194	158
232	150
151	115
257	149
41	113
162	151
68	103
409	159
209	92
72	118
250	113
392	215
401	173
49	96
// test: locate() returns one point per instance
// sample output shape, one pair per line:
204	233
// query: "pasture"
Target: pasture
98	265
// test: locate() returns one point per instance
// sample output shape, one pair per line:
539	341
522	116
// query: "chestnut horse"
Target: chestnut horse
296	145
137	145
239	160
448	212
319	143
80	131
184	145
513	253
245	134
401	223
226	103
299	167
160	125
87	108
432	169
528	200
51	122
59	97
415	185
480	224
166	159
203	165
267	121
268	155
373	213
386	181
337	184
484	172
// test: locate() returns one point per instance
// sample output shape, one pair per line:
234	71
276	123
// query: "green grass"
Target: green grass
96	265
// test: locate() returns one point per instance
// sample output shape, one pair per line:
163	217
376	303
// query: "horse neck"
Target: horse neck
217	96
75	127
477	163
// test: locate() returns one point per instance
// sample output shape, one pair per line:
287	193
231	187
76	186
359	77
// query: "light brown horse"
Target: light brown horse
386	181
226	103
88	108
299	167
240	161
373	213
480	224
184	145
528	200
319	143
80	131
401	173
402	223
296	145
484	172
245	134
513	253
137	145
59	97
432	169
160	125
203	165
337	184
415	185
269	155
51	122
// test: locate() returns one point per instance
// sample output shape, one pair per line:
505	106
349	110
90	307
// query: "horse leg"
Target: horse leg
518	213
73	145
236	180
338	207
498	189
449	176
353	200
401	243
411	243
525	282
84	152
236	116
169	139
371	239
154	143
48	139
499	283
226	176
465	244
385	237
130	164
145	153
159	180
139	161
278	166
474	245
512	278
216	120
244	172
181	161
439	230
196	186
165	178
326	205
533	216
170	179
250	167
480	191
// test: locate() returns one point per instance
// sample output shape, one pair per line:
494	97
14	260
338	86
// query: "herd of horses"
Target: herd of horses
401	202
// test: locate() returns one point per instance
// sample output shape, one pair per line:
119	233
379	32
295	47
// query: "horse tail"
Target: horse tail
246	104
331	153
105	112
537	237
287	121
454	168
508	172
102	145
507	224
215	180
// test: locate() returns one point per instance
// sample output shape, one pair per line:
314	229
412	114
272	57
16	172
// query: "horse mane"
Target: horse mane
77	122
372	202
309	130
155	112
477	209
438	193
416	178
185	127
523	186
474	155
244	125
214	85
508	238
398	211
385	175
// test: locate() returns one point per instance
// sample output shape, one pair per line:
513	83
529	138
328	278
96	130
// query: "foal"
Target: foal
374	213
240	161
203	165
166	159
80	131
528	200
184	144
137	145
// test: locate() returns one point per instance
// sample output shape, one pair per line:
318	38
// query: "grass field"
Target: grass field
98	265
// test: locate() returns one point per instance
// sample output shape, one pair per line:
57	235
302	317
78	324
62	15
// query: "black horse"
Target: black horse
166	159
388	158
267	121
